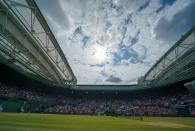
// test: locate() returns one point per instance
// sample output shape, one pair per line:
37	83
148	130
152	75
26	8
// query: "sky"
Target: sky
115	42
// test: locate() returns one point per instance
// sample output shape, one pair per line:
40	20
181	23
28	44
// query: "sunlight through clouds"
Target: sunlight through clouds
116	41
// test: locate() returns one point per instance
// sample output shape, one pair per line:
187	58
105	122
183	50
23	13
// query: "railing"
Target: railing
173	59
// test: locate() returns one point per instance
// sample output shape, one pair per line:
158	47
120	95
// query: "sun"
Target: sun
100	53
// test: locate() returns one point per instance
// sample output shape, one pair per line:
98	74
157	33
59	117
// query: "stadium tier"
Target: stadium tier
28	45
36	76
177	102
191	87
97	65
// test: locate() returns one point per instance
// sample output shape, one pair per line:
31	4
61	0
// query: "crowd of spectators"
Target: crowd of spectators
25	93
150	105
147	106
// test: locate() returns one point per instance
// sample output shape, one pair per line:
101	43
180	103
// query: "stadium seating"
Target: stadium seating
17	99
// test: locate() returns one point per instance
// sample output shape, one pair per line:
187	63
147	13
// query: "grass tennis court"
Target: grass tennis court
49	122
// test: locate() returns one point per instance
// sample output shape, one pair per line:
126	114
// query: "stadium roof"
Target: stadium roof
116	41
28	45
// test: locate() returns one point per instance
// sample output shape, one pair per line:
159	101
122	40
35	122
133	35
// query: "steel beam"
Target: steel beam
31	42
173	62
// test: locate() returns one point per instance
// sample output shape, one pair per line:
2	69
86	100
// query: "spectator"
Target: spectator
161	105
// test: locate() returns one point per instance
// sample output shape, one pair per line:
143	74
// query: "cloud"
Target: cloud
54	12
78	31
128	19
126	53
133	40
98	65
114	79
85	40
170	29
132	34
145	5
164	4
